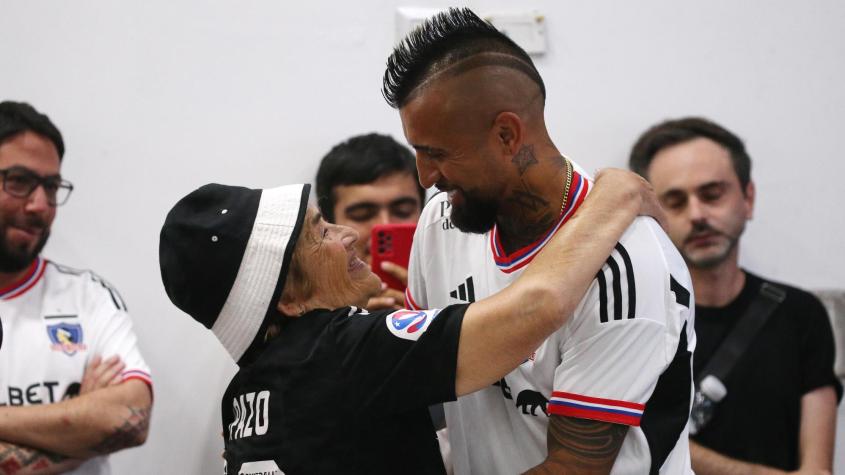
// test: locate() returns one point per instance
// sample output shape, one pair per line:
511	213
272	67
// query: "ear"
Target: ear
750	193
290	306
509	132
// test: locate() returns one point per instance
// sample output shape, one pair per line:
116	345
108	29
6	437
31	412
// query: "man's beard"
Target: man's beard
712	260
18	258
476	214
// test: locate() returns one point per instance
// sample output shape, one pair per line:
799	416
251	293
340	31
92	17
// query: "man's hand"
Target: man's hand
388	297
101	373
638	187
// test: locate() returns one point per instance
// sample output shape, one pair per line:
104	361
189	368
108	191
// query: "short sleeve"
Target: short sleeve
114	333
609	373
400	360
817	349
624	335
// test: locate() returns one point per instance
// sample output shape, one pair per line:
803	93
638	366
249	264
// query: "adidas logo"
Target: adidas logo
465	292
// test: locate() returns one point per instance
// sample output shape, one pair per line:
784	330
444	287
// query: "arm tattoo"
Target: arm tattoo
129	434
586	444
524	158
14	458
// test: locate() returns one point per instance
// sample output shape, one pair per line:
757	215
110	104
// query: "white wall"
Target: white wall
158	97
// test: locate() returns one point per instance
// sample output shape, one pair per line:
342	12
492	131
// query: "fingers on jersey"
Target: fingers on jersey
101	373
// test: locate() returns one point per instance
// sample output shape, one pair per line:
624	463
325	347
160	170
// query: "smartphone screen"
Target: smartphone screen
392	243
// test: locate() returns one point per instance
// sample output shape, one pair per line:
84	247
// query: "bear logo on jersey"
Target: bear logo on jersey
66	337
529	401
410	324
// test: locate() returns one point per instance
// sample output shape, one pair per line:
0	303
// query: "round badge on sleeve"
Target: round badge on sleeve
410	324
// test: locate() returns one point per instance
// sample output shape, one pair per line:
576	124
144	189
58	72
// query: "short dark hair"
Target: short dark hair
17	117
360	160
442	41
674	132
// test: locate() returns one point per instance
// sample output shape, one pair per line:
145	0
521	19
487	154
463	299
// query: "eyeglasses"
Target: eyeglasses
21	182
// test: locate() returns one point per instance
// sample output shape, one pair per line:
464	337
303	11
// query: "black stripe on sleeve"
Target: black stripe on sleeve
617	288
629	273
602	296
681	294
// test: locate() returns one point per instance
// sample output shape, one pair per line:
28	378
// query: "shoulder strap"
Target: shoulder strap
737	341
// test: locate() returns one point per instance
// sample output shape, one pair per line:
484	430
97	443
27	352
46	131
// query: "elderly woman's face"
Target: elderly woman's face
336	274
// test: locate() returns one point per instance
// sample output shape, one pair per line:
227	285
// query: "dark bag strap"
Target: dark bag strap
758	312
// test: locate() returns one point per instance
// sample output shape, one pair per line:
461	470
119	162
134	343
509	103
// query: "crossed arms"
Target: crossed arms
107	416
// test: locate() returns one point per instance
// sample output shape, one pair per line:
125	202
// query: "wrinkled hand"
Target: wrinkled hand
101	373
388	297
637	186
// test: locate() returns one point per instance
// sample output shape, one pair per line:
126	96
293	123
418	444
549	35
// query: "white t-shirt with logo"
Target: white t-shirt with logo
624	356
53	321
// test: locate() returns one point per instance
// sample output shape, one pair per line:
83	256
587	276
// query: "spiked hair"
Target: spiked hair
441	42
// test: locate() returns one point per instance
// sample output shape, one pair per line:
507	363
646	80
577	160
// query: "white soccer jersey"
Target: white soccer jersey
623	357
53	321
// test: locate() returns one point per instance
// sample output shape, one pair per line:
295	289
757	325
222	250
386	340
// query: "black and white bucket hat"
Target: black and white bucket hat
224	253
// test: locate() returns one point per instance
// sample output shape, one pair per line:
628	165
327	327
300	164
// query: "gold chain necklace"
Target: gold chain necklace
568	184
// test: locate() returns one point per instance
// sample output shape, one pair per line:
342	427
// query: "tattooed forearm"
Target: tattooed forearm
15	459
132	432
524	158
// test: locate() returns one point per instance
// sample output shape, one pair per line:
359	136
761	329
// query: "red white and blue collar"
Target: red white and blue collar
28	281
518	259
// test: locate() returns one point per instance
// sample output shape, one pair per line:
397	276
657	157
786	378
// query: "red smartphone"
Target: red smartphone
392	243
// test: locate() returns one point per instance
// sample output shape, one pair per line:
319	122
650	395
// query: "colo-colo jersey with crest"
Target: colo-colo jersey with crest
52	322
624	357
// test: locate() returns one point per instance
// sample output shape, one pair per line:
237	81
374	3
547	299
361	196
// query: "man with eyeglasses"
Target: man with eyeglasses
73	384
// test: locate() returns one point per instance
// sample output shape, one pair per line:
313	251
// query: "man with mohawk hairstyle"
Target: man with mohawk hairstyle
609	392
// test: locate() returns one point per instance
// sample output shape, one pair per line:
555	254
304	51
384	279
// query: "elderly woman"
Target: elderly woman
324	385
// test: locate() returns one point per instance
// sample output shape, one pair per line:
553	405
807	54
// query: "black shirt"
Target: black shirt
793	354
344	391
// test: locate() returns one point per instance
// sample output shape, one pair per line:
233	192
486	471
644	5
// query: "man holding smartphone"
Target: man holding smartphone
368	180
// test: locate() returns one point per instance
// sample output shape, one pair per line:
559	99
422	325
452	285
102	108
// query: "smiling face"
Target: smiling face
329	272
705	203
25	222
456	150
392	198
